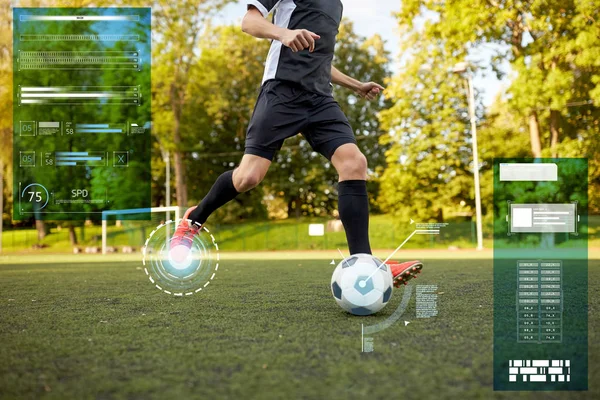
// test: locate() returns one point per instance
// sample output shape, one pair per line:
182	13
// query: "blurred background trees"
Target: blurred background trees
548	110
178	28
206	79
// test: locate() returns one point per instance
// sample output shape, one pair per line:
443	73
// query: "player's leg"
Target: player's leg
275	118
227	187
353	199
330	134
353	207
247	176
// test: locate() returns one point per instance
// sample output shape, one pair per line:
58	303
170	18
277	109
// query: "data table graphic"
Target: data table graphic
82	116
539	301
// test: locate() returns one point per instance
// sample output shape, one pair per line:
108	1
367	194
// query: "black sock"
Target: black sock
221	193
354	213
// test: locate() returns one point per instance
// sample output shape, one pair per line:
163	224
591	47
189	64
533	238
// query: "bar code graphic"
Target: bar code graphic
539	370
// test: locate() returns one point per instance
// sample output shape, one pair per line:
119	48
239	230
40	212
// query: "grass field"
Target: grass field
266	329
289	234
282	235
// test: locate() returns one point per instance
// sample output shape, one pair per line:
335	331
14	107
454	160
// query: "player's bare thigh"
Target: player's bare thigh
250	173
350	162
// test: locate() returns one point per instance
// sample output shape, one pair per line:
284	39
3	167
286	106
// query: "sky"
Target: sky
376	17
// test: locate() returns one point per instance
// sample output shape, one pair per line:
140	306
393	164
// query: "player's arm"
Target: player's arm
366	90
255	24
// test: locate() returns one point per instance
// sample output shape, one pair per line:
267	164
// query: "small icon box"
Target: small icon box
120	159
27	128
27	158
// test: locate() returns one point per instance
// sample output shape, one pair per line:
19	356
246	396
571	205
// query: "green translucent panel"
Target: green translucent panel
540	274
81	111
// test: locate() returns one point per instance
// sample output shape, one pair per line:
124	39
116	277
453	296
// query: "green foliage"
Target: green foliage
550	46
429	159
224	82
178	29
206	79
501	135
6	109
558	76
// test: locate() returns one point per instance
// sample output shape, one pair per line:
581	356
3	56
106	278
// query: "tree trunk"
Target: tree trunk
547	240
42	231
554	131
290	207
72	235
440	215
180	181
297	210
1	200
534	135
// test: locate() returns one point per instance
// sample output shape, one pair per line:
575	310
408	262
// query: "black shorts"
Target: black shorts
284	109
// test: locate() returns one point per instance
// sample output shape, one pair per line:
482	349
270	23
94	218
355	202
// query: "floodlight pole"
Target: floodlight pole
476	162
462	69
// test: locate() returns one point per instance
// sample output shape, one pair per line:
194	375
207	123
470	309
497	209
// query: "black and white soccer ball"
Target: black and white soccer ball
362	284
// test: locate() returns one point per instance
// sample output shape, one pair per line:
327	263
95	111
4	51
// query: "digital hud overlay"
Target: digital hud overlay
540	274
81	111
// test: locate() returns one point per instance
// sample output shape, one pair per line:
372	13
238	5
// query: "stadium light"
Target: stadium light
462	68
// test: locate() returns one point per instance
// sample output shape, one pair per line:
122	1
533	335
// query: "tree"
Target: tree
5	108
224	83
553	66
546	44
429	162
502	134
178	28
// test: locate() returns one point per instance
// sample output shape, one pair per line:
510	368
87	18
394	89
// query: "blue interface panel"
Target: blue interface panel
82	114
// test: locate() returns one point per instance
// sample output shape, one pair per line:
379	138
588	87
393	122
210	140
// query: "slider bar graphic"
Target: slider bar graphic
26	18
78	158
100	128
106	59
81	38
109	95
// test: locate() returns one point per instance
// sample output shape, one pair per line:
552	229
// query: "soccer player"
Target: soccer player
296	97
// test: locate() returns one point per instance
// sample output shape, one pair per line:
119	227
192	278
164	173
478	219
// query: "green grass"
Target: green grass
263	330
288	234
293	234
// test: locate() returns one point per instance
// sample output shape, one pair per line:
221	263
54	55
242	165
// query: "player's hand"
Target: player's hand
299	39
369	90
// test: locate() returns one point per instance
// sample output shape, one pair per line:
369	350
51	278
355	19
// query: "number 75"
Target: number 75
37	195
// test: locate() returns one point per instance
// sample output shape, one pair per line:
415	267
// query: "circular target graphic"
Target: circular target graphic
36	195
180	271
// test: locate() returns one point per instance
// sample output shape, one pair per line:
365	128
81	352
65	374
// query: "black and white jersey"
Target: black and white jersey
310	70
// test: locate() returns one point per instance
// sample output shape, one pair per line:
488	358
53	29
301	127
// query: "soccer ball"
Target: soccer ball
362	284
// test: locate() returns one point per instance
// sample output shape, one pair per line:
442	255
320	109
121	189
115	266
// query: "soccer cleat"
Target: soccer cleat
182	239
403	272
